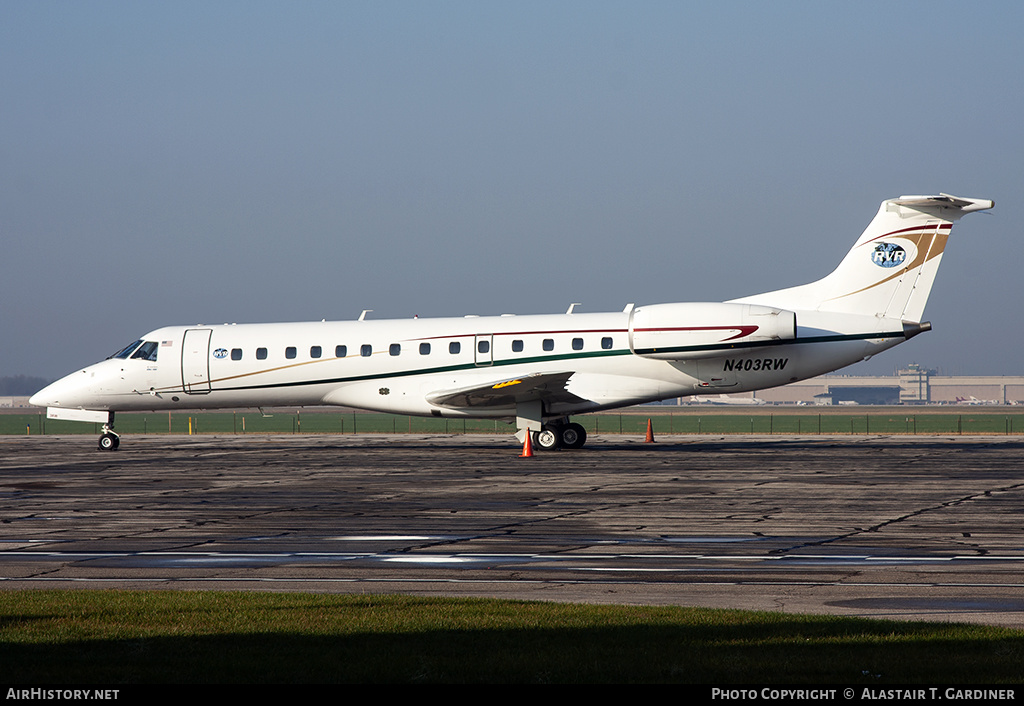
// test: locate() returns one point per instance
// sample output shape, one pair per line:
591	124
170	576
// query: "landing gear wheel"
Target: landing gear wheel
546	439
574	436
109	442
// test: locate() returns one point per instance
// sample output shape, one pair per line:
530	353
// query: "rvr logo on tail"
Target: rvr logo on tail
888	255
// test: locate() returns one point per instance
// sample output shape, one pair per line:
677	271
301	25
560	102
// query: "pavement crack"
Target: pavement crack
878	527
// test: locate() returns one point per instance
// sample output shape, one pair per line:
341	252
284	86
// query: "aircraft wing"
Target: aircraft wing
549	387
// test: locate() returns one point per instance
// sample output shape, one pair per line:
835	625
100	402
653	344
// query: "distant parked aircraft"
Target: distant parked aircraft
726	399
972	400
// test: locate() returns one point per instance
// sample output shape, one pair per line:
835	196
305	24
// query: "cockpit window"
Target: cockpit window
127	350
147	351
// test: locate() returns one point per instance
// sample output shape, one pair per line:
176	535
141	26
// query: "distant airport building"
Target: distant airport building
912	386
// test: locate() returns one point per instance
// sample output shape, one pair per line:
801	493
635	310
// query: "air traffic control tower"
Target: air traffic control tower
914	388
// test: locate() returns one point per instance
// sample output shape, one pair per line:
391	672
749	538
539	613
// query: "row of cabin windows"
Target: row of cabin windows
454	347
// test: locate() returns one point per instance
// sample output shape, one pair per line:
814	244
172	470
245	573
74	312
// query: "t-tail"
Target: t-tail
890	270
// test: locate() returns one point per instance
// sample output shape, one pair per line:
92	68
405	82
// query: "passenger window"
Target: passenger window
236	354
517	346
366	350
606	343
289	352
483	346
261	354
424	349
315	352
577	344
395	349
549	344
340	351
454	347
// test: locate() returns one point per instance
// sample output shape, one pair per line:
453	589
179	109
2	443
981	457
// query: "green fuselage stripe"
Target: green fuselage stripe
724	348
430	371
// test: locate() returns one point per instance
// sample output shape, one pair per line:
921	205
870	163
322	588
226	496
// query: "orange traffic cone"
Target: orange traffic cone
649	439
527	446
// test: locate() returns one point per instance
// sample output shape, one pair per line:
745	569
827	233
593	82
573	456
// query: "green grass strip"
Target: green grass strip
691	421
123	637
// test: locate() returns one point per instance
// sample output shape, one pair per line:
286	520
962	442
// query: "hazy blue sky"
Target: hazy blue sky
187	162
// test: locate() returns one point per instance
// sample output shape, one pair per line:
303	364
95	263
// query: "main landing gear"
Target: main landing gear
557	432
560	435
109	440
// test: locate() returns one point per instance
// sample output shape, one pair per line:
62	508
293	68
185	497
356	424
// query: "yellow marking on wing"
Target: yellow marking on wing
506	384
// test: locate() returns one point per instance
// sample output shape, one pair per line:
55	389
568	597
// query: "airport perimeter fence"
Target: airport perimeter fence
633	422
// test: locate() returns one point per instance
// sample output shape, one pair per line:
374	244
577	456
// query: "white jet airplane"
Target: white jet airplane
538	370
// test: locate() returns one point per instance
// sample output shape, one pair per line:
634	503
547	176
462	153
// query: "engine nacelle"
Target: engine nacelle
683	331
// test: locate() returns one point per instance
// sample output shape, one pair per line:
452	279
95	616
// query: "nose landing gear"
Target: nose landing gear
109	440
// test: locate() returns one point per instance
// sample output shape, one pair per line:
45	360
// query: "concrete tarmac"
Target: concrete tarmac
895	527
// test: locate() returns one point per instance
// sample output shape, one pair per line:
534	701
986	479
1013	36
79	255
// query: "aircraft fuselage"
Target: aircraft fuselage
396	365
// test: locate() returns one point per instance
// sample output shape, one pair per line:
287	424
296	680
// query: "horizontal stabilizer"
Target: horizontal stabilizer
945	201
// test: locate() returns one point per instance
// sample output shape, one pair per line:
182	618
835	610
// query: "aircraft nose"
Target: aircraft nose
43	398
62	393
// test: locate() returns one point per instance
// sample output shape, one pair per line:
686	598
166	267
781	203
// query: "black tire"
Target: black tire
574	436
547	439
109	442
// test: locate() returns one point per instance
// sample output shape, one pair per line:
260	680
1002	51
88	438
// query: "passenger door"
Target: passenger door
195	361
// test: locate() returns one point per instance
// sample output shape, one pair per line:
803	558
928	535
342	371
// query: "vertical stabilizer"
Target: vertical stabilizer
890	269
